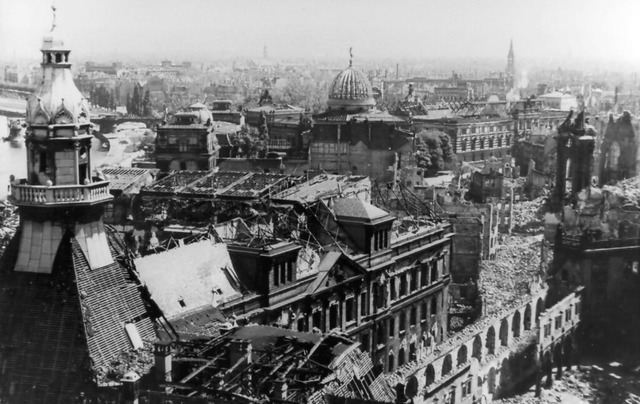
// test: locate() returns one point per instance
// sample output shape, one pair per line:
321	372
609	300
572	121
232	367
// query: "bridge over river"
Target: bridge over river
16	107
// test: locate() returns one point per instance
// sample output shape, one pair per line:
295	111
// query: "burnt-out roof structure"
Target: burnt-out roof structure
219	185
256	363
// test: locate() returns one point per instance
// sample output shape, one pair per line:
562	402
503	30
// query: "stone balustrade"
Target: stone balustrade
60	194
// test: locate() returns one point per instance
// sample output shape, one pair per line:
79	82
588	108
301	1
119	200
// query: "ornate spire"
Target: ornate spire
350	57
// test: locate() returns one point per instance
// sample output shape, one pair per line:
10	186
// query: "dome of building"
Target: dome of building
350	91
57	99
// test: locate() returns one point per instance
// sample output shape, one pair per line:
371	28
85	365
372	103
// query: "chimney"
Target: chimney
130	388
162	360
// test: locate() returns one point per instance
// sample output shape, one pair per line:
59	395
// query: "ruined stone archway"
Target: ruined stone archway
491	341
430	375
515	324
547	368
567	351
477	348
504	332
462	355
557	359
527	317
447	364
539	307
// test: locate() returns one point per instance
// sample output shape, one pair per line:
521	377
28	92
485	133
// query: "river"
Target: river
13	156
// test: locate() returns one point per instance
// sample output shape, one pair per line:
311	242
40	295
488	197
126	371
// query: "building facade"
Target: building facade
188	142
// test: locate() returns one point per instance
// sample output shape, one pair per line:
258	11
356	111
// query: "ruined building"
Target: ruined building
575	147
618	150
321	259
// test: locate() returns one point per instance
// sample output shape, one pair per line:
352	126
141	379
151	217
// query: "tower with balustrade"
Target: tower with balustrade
59	193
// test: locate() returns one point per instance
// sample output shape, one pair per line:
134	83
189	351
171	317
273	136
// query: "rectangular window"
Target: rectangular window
466	388
403	321
392	328
567	315
289	271
424	274
363	304
43	162
413	283
434	271
380	340
392	287
283	273
403	284
317	320
423	311
547	330
559	321
414	315
350	309
364	341
434	307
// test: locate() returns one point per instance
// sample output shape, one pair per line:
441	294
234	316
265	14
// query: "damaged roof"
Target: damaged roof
325	186
67	326
189	278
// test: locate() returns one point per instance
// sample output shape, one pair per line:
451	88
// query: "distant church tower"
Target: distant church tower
58	194
511	67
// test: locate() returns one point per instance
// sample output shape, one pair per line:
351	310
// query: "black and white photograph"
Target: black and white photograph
323	202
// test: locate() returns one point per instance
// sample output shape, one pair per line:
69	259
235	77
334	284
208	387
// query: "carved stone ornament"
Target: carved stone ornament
63	116
41	116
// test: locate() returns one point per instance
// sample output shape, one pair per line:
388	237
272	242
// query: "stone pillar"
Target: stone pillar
538	382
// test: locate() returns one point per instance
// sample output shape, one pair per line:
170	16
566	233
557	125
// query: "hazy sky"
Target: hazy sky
207	29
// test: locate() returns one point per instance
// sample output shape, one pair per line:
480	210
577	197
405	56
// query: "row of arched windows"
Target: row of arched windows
482	143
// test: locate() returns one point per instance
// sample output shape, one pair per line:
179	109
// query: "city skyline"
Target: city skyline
208	30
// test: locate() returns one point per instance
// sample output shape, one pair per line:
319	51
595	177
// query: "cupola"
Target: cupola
350	91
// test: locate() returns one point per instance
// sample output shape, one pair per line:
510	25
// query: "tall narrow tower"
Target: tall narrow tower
67	305
511	67
58	194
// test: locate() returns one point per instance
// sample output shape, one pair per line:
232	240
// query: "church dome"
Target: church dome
57	99
350	91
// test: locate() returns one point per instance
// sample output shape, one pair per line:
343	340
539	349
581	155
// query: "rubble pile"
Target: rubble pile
625	192
9	221
513	275
585	385
138	360
528	216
